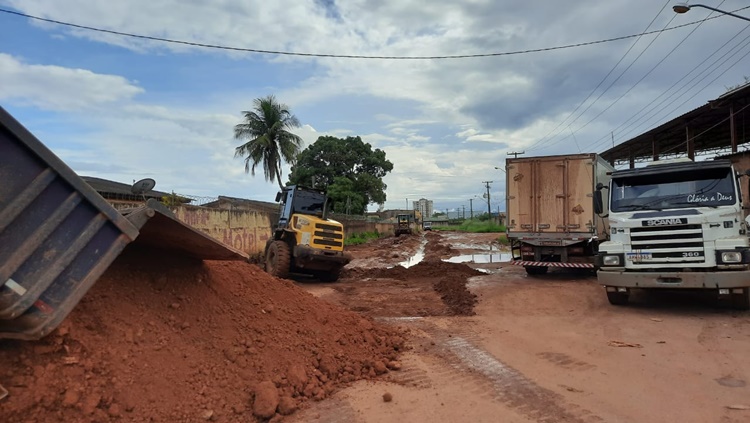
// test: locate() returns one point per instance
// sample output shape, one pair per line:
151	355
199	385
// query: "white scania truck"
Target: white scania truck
679	225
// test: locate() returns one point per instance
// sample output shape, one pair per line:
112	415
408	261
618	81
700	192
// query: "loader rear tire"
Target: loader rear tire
278	259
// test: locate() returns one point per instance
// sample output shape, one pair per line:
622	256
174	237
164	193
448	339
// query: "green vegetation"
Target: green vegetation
268	141
475	226
361	238
350	170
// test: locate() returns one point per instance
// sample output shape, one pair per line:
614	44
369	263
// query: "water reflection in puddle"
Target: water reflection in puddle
416	258
480	258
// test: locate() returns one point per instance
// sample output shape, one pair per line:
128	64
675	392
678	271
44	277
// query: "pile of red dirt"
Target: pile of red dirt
448	279
169	339
436	249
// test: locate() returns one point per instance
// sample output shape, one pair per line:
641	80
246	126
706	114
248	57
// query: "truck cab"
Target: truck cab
678	225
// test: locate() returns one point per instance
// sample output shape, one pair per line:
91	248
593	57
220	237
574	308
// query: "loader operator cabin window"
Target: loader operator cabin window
707	188
309	203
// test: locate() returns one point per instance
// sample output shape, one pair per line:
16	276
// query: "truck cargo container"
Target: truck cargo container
553	219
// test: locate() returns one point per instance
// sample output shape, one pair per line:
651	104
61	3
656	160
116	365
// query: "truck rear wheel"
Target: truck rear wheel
278	259
618	298
741	301
536	270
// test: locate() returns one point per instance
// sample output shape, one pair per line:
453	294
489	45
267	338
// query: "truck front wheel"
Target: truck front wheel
741	301
278	259
618	298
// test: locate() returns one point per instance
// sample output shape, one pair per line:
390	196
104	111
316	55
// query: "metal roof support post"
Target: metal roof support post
655	148
732	129
632	158
690	142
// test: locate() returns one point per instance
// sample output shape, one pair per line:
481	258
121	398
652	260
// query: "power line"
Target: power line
641	79
542	140
346	56
652	106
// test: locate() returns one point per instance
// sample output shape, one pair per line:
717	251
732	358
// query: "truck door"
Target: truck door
520	202
551	194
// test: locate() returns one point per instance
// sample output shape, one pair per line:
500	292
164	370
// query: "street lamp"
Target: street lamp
684	8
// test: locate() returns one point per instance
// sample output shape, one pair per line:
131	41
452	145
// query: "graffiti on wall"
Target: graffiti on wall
246	231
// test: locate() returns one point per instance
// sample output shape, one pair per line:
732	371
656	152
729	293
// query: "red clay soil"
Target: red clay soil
168	339
447	279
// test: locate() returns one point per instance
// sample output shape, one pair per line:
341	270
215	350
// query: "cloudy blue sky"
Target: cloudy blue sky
125	108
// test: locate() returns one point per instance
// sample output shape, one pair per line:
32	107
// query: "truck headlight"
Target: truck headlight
611	260
731	257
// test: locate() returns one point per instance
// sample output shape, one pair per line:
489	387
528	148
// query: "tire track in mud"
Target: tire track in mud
474	370
486	376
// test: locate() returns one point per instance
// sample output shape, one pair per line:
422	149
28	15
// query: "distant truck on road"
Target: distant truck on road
554	219
678	225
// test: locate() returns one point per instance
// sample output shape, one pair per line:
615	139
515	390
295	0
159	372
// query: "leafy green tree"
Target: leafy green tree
266	129
345	197
329	158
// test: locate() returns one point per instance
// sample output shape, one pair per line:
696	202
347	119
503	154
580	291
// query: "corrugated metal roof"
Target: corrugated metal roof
709	125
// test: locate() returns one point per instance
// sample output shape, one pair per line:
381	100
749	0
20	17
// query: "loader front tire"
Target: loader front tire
328	275
278	259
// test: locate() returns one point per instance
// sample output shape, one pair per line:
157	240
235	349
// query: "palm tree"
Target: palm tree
269	141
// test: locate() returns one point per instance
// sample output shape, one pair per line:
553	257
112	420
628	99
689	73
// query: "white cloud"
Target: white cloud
58	88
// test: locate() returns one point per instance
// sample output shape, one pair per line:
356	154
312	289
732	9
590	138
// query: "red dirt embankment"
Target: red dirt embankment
167	339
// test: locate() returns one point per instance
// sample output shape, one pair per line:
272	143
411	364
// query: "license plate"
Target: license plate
641	256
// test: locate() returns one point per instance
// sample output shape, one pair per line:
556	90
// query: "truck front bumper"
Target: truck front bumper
314	258
696	280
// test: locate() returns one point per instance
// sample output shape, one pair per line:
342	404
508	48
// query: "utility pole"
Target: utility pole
471	209
407	204
515	154
487	184
464	206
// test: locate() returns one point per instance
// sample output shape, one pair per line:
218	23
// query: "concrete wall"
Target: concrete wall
359	226
246	231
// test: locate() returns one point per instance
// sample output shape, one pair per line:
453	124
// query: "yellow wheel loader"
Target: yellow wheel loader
305	240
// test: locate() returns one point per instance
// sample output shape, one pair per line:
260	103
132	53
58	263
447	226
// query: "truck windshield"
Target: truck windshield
704	188
311	203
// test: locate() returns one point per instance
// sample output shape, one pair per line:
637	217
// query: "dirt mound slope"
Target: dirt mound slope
447	279
168	339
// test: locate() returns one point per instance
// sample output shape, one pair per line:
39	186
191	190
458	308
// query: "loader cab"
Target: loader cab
296	199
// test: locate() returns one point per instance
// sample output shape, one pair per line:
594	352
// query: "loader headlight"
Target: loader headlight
731	257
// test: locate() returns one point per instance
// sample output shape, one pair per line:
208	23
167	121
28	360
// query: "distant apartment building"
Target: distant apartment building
424	206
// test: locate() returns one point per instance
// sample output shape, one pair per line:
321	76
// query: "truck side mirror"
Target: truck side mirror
598	202
279	196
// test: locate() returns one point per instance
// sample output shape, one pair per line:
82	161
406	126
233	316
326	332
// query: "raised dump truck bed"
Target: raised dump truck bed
57	234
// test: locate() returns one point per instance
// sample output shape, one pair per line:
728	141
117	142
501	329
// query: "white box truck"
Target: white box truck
676	224
552	214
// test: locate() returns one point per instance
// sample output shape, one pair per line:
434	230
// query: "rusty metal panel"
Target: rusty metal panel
160	229
57	235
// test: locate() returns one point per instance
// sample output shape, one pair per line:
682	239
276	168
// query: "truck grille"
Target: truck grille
669	244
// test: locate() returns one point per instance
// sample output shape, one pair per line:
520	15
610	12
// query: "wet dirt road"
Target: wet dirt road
545	348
